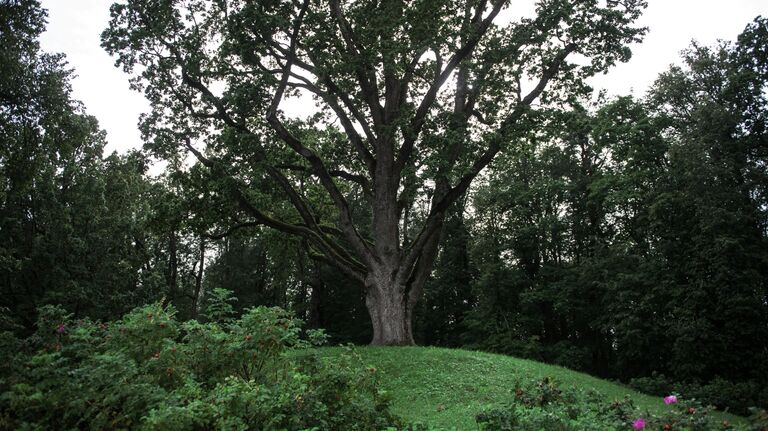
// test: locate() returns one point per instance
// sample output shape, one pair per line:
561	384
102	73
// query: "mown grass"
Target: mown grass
448	387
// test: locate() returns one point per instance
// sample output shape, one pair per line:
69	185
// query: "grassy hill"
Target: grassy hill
448	387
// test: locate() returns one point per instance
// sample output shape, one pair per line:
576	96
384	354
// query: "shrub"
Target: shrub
736	397
547	406
655	384
758	419
149	371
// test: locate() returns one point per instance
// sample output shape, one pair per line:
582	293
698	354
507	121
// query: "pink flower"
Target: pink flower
61	329
638	424
670	400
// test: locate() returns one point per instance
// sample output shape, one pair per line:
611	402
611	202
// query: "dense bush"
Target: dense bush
150	371
736	397
547	406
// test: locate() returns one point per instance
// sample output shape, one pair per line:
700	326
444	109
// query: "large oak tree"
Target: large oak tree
414	99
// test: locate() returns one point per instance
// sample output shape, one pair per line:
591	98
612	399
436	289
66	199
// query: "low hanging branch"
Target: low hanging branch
343	259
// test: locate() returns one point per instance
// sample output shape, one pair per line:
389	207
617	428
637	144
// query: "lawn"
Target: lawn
448	387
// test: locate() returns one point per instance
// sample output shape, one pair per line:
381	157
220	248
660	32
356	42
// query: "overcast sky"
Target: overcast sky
74	27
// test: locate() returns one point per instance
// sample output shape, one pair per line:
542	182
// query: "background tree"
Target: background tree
711	219
629	239
76	229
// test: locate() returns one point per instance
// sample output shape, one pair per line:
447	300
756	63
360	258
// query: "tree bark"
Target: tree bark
387	305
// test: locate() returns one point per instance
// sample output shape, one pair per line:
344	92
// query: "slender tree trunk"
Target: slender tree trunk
315	315
196	305
172	278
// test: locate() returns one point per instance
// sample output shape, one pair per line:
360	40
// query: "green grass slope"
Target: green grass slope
448	387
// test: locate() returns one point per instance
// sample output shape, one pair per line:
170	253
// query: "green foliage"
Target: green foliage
547	405
150	371
737	397
76	228
448	296
759	419
218	307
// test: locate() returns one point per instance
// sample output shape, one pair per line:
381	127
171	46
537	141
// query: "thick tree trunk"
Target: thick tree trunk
392	292
390	314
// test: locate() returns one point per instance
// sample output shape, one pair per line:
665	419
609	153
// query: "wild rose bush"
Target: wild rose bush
547	406
735	397
149	371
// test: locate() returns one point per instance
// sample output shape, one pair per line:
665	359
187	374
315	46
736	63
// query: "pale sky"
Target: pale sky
74	27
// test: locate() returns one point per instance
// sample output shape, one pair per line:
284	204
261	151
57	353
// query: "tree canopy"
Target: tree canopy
414	100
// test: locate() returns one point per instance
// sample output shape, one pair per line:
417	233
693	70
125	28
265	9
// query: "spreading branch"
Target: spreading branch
441	203
318	166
